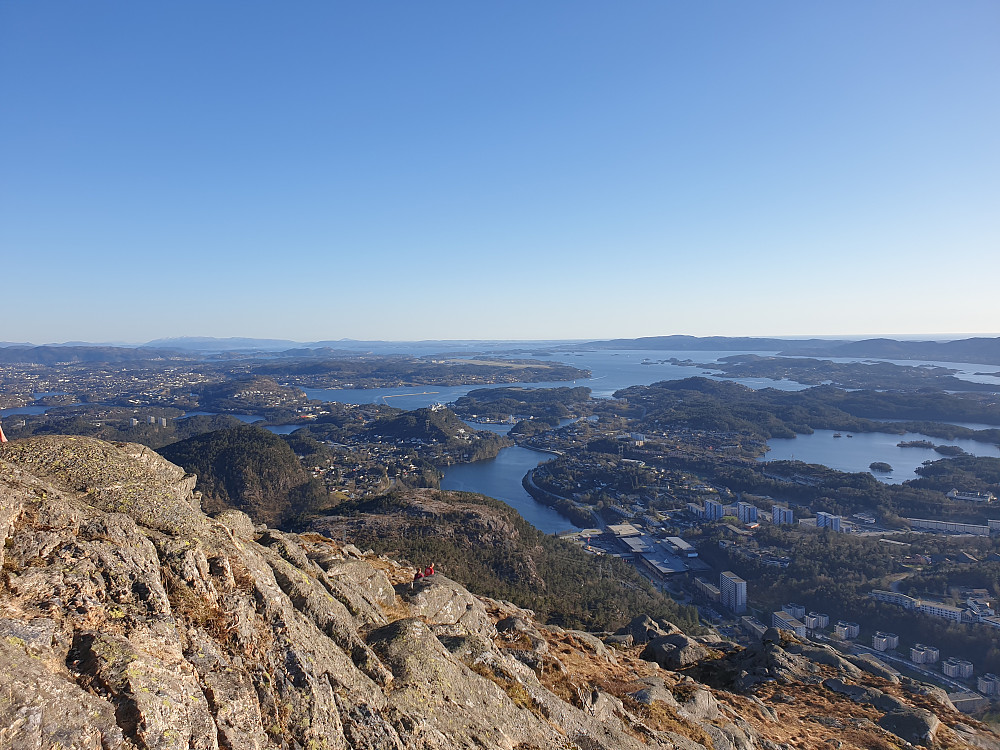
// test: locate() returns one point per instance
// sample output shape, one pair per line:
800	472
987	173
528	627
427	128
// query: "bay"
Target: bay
283	429
500	478
610	372
495	427
855	453
24	410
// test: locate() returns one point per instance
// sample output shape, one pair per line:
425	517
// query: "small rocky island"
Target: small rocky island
915	444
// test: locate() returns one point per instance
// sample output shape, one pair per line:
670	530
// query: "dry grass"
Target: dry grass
662	718
796	727
241	575
193	609
395	611
514	690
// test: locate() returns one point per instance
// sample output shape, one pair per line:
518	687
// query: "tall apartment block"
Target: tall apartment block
733	592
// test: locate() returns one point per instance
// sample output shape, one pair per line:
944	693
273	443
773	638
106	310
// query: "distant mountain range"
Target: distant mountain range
985	350
715	343
977	350
51	354
210	344
981	350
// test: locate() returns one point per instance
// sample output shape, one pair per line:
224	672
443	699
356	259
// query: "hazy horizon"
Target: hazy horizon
164	341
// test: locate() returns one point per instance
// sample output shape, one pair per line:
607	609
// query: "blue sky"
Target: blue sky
401	170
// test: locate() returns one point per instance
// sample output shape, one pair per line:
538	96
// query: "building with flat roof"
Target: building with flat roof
795	610
960	668
988	684
714	510
968	702
941	610
636	544
921	654
624	529
784	621
746	512
711	592
733	592
975	497
828	521
780	515
893	597
884	641
753	626
947	527
846	629
679	547
816	620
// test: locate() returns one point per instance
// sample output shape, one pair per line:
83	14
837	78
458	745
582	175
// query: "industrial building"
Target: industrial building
947	526
681	548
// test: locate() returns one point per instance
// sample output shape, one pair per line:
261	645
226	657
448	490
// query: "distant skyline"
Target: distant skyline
509	171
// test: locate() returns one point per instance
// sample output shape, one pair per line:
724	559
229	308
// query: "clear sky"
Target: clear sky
509	169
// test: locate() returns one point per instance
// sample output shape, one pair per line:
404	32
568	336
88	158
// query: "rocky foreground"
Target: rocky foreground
129	619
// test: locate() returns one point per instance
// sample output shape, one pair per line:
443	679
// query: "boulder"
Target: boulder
874	666
238	523
468	709
931	691
826	655
655	689
865	695
448	607
594	644
644	629
698	703
674	651
915	725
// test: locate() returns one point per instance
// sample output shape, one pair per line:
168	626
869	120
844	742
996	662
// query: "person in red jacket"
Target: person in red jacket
429	570
3	438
